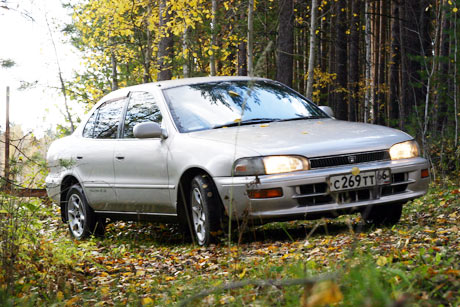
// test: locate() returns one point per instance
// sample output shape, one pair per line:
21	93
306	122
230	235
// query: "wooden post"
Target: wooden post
7	140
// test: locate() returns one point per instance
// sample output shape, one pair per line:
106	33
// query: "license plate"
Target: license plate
362	180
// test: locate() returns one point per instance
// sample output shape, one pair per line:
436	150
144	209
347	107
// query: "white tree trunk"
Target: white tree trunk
311	56
185	68
368	95
212	59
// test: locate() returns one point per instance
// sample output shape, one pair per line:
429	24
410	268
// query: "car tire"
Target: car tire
205	210
80	216
385	215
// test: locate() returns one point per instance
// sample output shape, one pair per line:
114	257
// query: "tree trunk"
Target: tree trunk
443	84
403	72
113	61
165	47
212	59
367	100
285	45
395	59
242	59
341	58
382	52
185	52
250	38
353	100
311	56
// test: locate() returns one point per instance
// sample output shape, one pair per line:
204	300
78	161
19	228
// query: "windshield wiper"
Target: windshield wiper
247	122
300	118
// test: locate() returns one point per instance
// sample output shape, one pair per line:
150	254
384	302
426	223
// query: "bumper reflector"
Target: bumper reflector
425	173
265	193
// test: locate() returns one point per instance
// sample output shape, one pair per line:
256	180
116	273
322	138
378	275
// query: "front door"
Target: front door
141	173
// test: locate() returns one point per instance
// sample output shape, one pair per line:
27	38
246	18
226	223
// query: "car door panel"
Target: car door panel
141	174
94	156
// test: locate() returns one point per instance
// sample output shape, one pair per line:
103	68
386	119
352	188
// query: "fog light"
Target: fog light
425	173
265	193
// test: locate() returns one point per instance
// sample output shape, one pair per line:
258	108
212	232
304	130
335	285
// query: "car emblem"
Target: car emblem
351	159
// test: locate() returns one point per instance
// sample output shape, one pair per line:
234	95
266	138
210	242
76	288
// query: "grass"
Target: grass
414	262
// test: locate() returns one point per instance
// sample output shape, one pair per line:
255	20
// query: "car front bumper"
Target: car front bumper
307	194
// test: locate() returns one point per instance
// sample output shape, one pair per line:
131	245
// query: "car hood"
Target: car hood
310	138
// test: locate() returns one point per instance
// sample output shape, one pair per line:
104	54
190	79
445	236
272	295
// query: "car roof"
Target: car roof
188	81
174	83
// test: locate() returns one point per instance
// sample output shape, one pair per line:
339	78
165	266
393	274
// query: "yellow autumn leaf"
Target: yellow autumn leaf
382	260
60	296
322	294
105	291
147	301
242	273
72	301
232	93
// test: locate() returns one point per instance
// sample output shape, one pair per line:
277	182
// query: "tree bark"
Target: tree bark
285	44
242	59
353	100
185	52
367	100
114	72
165	47
212	59
443	84
341	61
311	56
395	59
250	38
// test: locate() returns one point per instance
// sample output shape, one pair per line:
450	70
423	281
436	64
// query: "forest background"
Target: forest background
392	63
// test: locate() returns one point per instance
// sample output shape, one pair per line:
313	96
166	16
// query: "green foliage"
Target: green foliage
414	262
7	63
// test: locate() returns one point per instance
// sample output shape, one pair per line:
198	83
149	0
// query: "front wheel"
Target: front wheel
81	218
386	215
205	210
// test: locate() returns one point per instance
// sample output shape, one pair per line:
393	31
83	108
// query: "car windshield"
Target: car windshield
216	105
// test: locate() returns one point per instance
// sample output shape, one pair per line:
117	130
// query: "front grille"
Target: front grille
313	195
318	193
399	184
349	159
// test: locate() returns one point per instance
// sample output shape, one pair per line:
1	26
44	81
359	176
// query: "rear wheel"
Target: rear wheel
386	215
205	210
81	218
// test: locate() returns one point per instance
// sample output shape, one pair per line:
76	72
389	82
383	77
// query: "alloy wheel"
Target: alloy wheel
76	215
199	216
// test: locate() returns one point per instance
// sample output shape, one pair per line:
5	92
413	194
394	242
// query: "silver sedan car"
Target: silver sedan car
204	151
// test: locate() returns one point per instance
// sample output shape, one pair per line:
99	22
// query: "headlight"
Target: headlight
270	165
404	150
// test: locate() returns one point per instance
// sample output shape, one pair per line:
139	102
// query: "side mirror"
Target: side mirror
149	130
327	110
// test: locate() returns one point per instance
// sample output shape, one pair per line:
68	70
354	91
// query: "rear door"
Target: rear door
94	158
141	173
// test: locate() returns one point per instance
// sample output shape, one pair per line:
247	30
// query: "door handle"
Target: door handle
120	158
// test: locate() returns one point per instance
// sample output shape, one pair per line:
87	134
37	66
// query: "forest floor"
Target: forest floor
307	263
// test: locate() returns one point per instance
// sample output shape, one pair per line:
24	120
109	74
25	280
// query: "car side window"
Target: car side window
89	127
108	119
141	108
